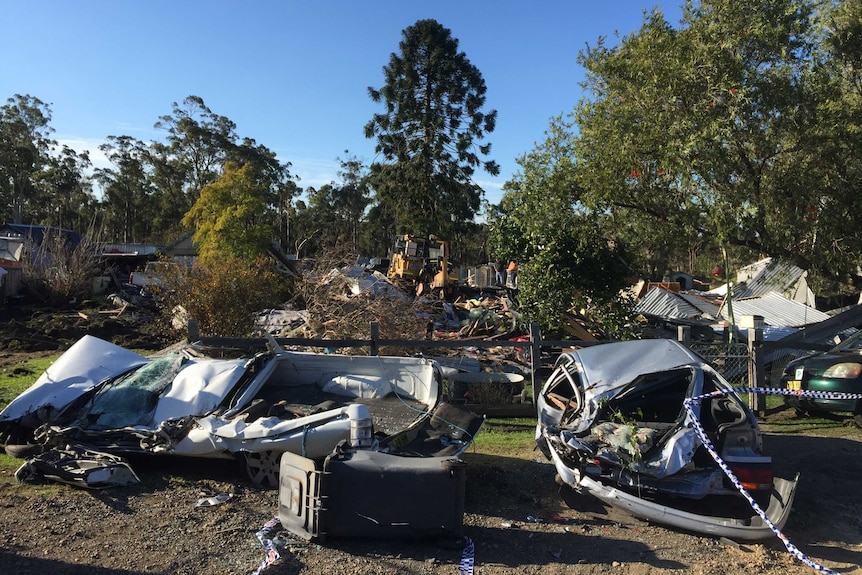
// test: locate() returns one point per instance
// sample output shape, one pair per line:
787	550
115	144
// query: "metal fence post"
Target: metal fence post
375	338
756	375
535	358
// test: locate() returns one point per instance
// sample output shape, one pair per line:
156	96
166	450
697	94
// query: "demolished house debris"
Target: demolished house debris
613	419
773	290
111	400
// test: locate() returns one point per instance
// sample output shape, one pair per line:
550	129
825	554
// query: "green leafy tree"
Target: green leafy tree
429	133
231	216
719	131
127	191
566	262
324	229
352	197
281	189
25	147
199	140
67	199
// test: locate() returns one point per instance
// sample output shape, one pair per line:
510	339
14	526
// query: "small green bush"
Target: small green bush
222	296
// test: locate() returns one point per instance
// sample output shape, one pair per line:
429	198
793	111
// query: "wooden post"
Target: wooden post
535	358
194	330
683	334
375	337
756	370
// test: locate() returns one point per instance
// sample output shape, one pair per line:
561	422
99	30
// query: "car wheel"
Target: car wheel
261	468
24	451
857	418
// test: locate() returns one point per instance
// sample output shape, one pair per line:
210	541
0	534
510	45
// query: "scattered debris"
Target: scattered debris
214	500
78	466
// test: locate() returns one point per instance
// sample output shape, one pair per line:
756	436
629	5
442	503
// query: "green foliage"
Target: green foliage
14	380
726	130
230	217
38	183
566	261
428	133
222	295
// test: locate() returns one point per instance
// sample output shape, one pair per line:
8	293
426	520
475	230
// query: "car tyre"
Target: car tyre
24	451
261	468
857	419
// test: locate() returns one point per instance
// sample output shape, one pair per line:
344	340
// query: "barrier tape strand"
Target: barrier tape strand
701	433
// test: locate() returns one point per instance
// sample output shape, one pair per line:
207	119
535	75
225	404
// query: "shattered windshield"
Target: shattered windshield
131	399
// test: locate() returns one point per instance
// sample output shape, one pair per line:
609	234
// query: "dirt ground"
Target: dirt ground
518	520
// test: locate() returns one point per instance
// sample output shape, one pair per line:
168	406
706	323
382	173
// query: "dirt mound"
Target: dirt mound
33	329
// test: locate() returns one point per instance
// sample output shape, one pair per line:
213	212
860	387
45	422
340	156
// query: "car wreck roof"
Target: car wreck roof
611	365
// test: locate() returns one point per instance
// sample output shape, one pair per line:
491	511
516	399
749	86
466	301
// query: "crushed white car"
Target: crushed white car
619	424
114	401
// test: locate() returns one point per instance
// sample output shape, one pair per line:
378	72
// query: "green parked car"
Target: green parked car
837	370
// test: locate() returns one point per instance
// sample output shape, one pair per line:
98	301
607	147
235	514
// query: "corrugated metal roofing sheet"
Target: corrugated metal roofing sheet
766	276
776	310
662	303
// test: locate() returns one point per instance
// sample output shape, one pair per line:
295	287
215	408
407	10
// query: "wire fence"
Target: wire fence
731	361
727	358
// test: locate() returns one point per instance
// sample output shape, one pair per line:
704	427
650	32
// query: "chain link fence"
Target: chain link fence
731	361
727	358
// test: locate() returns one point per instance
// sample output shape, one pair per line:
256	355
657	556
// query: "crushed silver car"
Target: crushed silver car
112	400
619	423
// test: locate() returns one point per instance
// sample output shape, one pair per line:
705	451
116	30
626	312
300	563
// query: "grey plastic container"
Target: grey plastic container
363	493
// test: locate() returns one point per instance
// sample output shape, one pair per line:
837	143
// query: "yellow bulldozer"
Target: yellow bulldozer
425	263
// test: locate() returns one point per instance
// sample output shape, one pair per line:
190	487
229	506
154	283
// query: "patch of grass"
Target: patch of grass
13	380
826	424
506	436
16	378
8	465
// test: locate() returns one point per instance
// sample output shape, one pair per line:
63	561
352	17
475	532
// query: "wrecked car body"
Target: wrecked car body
112	400
618	422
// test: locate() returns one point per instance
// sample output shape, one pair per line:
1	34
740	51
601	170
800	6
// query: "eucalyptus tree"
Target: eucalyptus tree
430	133
280	187
199	146
352	197
199	141
25	148
66	192
128	209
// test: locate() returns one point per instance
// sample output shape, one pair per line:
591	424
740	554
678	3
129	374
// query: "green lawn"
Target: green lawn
13	380
16	378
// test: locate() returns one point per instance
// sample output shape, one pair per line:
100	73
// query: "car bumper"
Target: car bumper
825	386
752	528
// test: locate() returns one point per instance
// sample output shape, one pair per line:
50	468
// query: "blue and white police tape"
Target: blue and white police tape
701	433
265	538
467	561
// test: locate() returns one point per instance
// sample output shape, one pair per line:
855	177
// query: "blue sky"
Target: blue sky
293	75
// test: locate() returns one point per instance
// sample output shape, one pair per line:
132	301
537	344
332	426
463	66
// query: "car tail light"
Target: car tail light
754	477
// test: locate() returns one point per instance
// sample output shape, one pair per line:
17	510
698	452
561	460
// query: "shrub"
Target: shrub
222	296
57	274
